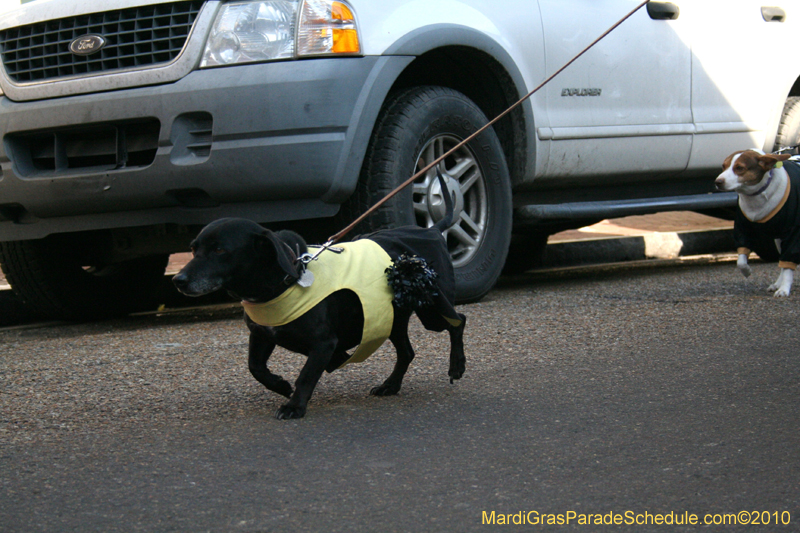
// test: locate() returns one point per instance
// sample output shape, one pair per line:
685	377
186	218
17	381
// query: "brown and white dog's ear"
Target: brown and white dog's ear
283	255
768	161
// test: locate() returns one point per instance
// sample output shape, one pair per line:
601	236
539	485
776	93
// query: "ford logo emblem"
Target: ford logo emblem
87	44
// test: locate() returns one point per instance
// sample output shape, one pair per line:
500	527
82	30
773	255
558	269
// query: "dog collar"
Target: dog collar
764	188
290	280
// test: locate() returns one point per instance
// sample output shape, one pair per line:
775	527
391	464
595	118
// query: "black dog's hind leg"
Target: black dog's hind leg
405	354
261	347
458	360
318	359
339	358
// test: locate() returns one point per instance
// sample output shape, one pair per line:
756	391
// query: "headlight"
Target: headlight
251	31
246	31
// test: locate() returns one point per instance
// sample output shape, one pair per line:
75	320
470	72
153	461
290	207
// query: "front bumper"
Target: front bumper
272	141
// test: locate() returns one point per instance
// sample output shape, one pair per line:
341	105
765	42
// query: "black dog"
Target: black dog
263	268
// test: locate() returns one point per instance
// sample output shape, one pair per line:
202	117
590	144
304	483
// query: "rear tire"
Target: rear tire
414	128
56	283
788	135
789	128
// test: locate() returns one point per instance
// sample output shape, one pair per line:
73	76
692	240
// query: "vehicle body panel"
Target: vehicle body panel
655	100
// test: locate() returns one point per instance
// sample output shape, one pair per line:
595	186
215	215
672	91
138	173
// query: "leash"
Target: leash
788	149
338	236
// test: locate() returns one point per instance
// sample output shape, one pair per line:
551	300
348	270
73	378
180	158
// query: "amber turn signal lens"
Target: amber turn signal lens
345	40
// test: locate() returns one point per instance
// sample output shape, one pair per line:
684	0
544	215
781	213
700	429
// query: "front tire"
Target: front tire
56	283
414	128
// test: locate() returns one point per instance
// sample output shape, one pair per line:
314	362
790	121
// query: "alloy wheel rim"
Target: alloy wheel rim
466	185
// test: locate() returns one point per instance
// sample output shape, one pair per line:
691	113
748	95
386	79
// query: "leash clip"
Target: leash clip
306	258
306	276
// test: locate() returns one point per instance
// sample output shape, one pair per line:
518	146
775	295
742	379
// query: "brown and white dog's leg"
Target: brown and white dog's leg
741	262
783	285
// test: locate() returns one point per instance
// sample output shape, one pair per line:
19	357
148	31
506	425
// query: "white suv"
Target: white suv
129	124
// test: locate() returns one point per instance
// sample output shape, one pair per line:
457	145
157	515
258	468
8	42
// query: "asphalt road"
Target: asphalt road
610	391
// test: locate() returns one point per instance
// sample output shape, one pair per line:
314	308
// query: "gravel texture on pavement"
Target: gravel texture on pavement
189	365
589	389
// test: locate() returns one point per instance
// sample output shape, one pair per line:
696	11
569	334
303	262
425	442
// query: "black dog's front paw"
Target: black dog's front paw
283	388
457	367
387	389
288	412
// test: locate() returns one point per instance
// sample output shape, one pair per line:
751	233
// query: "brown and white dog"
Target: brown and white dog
769	199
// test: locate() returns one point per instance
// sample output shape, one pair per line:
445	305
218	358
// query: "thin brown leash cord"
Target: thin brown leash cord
335	238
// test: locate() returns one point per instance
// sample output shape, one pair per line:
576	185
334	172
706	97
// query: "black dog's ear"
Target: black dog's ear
283	254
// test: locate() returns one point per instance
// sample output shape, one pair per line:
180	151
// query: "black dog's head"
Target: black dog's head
243	258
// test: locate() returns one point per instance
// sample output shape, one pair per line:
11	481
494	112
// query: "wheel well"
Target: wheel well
484	81
795	91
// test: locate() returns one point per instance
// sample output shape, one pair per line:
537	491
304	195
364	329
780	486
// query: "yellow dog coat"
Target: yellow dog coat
360	267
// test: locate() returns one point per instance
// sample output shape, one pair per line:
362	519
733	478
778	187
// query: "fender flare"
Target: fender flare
394	61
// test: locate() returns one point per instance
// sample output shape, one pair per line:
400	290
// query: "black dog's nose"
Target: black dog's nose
180	280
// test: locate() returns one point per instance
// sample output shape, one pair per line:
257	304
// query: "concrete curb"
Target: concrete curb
667	245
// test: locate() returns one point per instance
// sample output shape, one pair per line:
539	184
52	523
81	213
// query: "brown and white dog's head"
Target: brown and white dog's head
746	168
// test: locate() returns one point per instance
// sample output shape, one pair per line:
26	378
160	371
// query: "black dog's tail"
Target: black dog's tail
447	221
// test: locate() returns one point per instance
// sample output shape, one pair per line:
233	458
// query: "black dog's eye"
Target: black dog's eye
219	251
194	251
